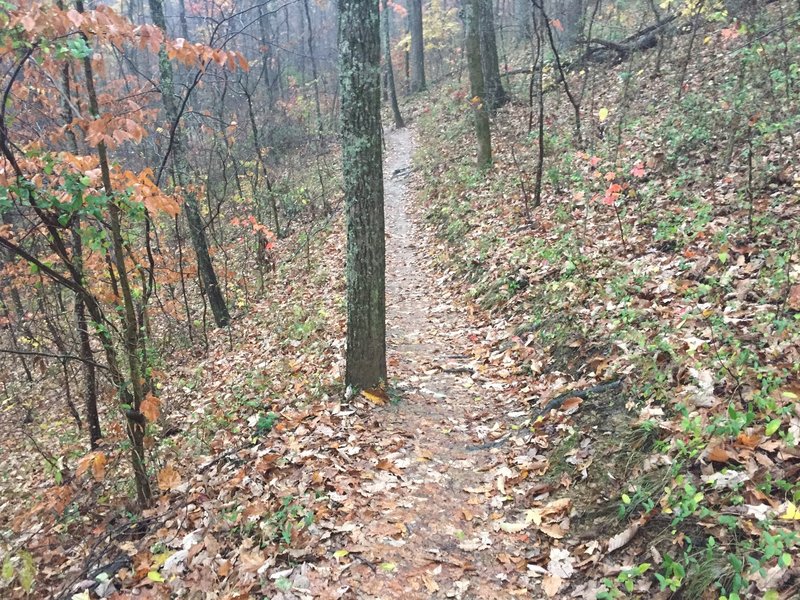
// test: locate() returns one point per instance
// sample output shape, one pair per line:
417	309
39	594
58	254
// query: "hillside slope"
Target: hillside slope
664	256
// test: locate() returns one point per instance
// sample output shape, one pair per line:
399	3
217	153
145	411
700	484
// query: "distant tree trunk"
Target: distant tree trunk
472	23
387	47
182	19
490	65
270	61
567	18
196	226
417	47
314	72
359	68
522	19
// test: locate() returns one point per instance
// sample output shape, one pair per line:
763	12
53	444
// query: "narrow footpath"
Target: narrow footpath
430	528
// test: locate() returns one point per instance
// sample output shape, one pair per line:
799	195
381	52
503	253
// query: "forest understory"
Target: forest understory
593	354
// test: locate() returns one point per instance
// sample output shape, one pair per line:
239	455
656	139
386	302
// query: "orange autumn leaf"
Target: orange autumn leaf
99	466
96	461
719	454
386	465
168	478
571	404
151	407
749	440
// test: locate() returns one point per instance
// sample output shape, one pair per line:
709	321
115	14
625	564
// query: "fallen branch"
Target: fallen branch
607	50
554	404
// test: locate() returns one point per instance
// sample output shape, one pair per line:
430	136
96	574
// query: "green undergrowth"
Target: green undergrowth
665	254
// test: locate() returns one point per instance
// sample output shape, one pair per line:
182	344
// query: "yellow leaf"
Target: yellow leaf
791	514
155	576
340	553
376	396
159	560
602	115
533	515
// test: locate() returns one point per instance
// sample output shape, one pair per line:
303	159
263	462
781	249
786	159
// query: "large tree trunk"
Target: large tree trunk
196	226
359	68
417	47
387	47
476	80
490	64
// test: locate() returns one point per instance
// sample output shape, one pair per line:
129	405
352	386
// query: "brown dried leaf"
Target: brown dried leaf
622	538
168	478
551	584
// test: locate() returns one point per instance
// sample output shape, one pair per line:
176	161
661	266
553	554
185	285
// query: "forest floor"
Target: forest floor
442	515
427	529
652	301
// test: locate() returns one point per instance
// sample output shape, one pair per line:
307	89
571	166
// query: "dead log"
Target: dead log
600	51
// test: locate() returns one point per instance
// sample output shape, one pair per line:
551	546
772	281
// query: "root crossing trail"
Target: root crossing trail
428	526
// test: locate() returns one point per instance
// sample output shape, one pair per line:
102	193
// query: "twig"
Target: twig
61	357
227	454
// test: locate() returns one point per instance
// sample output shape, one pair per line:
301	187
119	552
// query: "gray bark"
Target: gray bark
490	65
359	73
476	82
417	47
392	89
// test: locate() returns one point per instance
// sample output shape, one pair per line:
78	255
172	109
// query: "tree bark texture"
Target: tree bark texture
495	94
359	72
417	47
476	79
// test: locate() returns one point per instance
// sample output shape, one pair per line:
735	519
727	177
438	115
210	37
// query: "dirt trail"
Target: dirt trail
425	534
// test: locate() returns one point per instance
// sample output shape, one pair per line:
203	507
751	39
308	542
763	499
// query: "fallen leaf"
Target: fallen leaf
551	584
376	396
791	513
622	538
718	454
387	465
554	530
99	466
513	527
571	404
560	564
155	576
168	478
